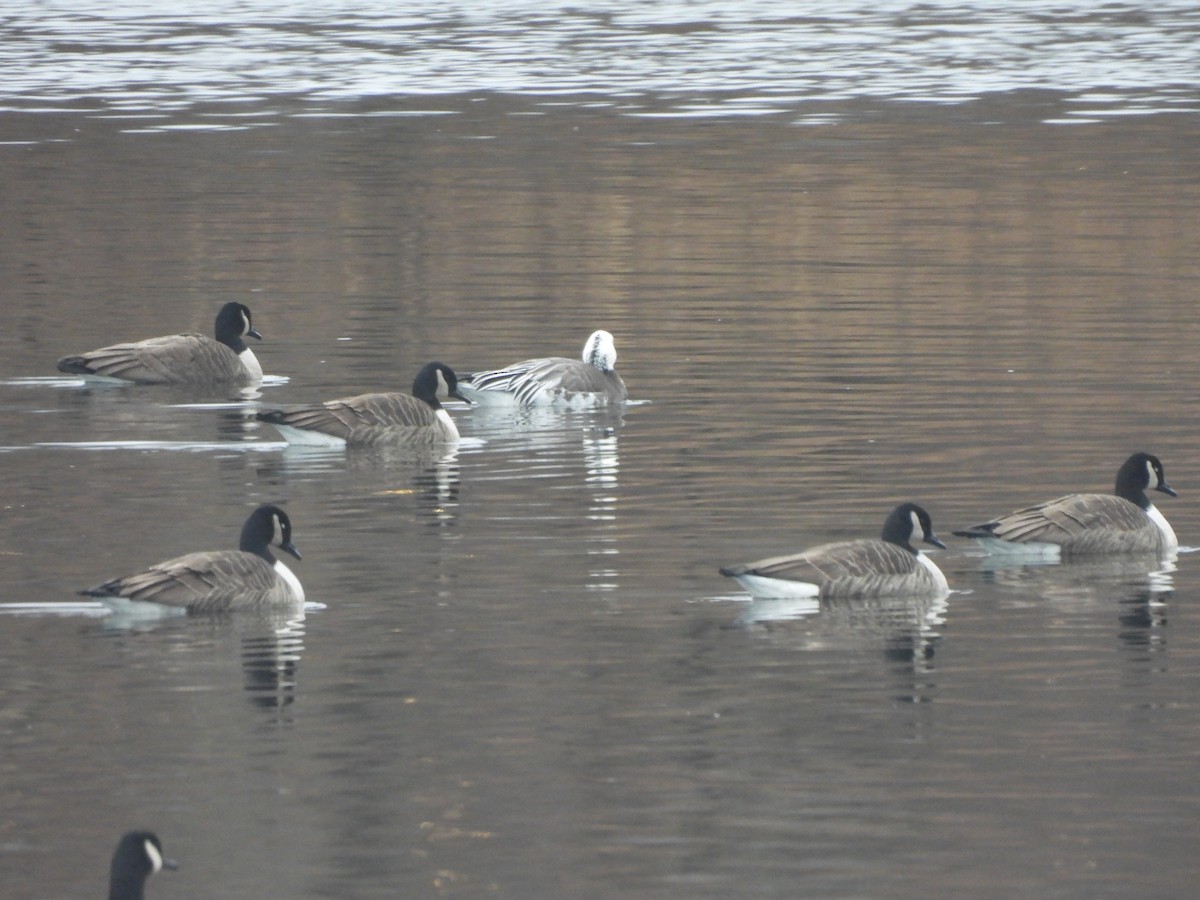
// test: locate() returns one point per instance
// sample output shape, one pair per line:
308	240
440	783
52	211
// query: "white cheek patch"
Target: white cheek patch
245	323
442	386
1152	478
917	528
277	524
156	860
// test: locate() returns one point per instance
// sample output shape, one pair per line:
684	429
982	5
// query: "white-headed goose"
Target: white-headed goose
139	855
390	419
187	358
1088	524
247	579
574	383
888	567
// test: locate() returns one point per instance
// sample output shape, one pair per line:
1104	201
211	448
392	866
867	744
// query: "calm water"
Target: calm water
526	678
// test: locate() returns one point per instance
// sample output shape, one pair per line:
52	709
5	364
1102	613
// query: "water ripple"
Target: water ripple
139	56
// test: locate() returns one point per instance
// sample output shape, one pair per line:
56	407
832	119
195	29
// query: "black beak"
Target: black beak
289	547
932	538
254	334
457	396
1167	489
168	863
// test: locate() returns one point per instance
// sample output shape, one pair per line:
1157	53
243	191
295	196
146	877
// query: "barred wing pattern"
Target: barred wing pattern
554	379
1079	523
367	419
867	568
205	583
173	359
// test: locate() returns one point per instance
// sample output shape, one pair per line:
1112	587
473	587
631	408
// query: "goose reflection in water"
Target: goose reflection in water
1083	581
906	629
270	660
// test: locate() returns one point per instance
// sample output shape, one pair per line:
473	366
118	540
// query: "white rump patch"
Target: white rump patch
302	437
133	611
1034	552
777	588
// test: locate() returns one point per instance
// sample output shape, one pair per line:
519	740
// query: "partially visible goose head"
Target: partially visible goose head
601	351
859	569
139	855
248	579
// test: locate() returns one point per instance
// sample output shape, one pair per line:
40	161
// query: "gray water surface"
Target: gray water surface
523	675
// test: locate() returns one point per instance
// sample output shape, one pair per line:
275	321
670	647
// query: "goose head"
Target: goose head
259	532
906	520
234	323
600	351
1139	473
436	378
139	855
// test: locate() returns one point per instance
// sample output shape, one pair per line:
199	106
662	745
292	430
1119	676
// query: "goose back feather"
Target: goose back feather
886	567
1087	524
586	382
379	418
220	581
187	358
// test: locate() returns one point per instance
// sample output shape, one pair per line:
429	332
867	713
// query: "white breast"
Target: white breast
448	424
934	571
292	581
1164	526
251	364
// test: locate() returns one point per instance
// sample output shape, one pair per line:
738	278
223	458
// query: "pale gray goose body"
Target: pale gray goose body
886	567
139	855
1088	524
384	419
182	359
556	380
219	581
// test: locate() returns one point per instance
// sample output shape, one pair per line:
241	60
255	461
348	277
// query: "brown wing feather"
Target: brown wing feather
354	418
173	359
846	568
1081	523
204	582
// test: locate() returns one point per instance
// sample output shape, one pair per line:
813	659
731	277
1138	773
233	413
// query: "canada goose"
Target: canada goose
1080	524
555	380
376	419
863	569
139	855
249	578
188	358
